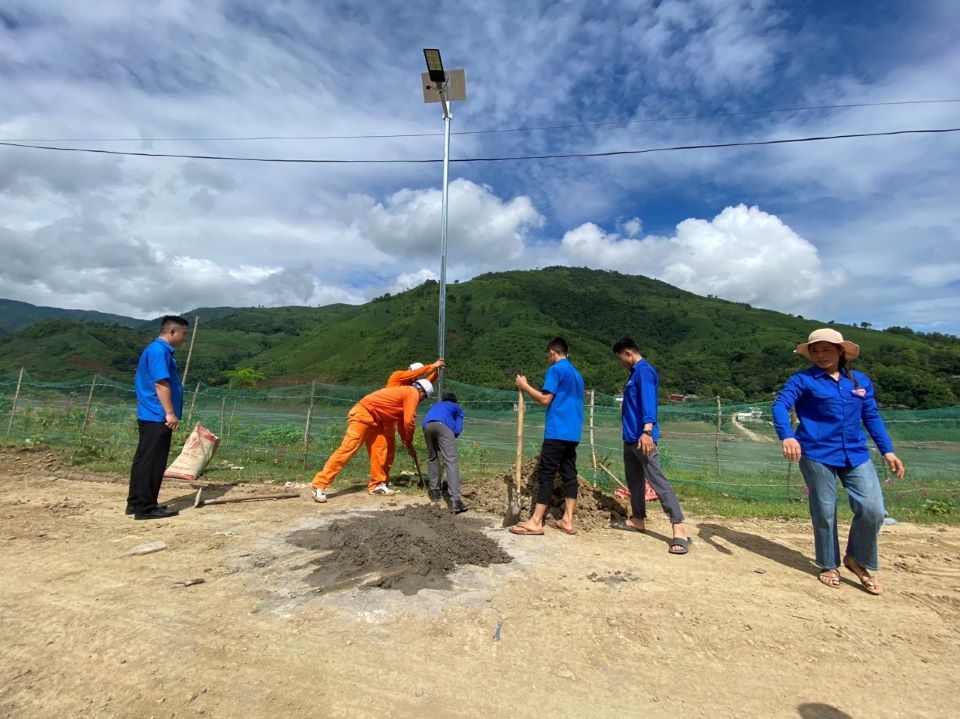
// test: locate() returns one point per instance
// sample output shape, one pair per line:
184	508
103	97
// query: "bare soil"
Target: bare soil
389	607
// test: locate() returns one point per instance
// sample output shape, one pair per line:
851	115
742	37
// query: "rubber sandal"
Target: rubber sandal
524	531
682	543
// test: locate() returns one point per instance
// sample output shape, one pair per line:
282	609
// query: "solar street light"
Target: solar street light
443	87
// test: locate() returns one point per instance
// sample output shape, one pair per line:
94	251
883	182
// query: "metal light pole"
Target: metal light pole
443	87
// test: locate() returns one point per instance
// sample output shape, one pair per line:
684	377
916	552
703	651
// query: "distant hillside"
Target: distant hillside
16	316
498	324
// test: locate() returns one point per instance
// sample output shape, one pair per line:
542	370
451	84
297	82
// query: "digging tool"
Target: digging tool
199	502
614	477
513	501
648	491
416	464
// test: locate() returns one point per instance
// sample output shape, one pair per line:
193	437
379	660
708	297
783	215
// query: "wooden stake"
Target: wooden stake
593	446
193	336
86	412
716	441
306	428
16	396
193	401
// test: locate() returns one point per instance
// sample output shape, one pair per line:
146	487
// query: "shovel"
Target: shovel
513	491
416	464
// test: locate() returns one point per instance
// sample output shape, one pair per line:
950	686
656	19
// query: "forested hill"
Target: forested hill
20	315
498	324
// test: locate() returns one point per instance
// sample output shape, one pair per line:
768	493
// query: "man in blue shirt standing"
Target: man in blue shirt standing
441	427
641	459
562	395
159	408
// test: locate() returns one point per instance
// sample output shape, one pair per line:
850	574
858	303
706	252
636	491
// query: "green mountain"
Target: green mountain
497	325
16	316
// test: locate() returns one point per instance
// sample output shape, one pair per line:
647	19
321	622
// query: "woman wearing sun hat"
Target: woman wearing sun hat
832	403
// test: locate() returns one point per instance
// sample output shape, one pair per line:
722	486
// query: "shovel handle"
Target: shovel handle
517	472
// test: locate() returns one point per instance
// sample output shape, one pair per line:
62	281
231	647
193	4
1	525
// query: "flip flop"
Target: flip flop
869	582
565	531
524	531
684	545
625	526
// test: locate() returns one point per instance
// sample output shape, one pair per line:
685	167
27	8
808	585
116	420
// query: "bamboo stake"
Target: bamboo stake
306	428
223	413
86	412
233	412
16	397
593	446
193	401
193	336
716	441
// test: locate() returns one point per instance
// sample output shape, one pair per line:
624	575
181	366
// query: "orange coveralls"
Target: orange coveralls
387	443
367	420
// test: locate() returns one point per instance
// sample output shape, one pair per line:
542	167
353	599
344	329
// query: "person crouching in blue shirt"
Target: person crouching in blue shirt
441	427
831	402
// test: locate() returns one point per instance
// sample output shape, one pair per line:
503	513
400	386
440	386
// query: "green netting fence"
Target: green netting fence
726	448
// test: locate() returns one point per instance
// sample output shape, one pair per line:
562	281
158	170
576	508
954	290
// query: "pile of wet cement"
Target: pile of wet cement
408	549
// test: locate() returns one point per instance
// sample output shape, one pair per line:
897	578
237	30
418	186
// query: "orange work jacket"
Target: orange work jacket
406	377
395	405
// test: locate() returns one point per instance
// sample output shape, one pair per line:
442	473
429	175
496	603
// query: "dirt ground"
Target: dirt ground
387	607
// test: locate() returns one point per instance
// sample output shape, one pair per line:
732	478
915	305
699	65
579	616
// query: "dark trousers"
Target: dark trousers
639	468
149	464
557	454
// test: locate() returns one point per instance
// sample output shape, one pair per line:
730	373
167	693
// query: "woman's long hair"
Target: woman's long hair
845	368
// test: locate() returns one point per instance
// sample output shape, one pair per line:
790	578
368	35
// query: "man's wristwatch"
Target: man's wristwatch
648	432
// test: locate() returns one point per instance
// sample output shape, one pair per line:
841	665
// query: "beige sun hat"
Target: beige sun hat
825	334
416	366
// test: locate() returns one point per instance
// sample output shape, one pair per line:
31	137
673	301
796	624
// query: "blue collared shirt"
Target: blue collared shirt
157	364
639	406
449	413
565	412
831	413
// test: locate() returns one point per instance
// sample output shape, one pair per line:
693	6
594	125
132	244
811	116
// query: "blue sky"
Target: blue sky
855	230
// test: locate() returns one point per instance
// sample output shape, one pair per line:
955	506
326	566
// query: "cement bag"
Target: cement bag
196	454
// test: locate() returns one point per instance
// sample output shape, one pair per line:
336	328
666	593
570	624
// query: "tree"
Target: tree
244	377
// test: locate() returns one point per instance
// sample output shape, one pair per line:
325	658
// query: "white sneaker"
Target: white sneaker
319	495
384	489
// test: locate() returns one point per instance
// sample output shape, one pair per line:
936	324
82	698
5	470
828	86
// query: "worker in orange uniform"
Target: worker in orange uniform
387	442
366	420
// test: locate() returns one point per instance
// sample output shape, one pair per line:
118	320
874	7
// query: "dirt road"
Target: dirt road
238	616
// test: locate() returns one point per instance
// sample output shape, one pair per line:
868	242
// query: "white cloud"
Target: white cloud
743	254
141	235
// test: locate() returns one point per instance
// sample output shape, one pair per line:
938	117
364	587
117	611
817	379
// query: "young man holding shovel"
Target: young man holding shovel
562	395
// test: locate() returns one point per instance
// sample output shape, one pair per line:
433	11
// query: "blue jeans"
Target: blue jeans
866	501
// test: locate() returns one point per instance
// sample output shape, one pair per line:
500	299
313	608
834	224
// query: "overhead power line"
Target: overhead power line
556	156
568	126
